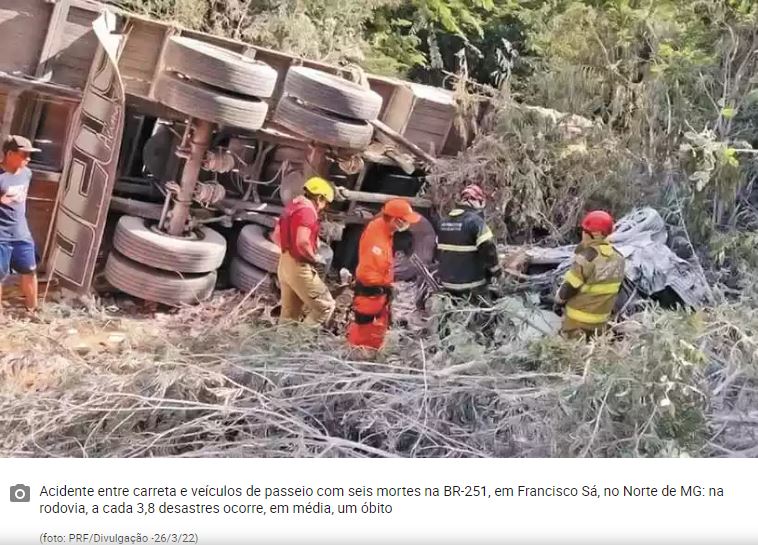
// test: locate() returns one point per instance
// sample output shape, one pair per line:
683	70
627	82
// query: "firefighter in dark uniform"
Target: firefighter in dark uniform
468	258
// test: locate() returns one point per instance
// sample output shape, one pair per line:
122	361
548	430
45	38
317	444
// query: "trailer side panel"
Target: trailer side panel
140	56
23	29
76	49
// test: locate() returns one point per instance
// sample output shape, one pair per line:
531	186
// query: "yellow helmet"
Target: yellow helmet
319	186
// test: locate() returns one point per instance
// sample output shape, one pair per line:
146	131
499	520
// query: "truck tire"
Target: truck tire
322	126
170	288
197	100
245	276
133	207
219	67
256	249
134	238
332	93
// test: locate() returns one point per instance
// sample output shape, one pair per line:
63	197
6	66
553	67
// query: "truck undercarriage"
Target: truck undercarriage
194	143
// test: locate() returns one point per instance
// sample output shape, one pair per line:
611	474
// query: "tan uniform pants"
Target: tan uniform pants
571	329
303	289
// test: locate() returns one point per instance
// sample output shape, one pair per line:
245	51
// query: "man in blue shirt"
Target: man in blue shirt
17	251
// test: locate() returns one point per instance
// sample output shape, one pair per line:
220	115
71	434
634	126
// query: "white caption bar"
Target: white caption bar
271	502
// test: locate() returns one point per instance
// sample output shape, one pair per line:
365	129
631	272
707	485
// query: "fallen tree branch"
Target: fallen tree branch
400	139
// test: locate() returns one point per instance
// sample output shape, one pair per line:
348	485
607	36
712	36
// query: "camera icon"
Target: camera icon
20	493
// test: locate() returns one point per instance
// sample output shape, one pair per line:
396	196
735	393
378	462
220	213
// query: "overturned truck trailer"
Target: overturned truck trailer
167	154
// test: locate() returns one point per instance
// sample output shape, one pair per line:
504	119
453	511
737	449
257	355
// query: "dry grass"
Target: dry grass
224	380
541	169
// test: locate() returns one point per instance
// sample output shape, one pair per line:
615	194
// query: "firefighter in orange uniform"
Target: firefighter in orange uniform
374	275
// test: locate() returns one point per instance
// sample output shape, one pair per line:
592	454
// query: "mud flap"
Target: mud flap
92	159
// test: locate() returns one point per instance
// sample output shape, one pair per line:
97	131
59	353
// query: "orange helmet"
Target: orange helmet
598	221
400	209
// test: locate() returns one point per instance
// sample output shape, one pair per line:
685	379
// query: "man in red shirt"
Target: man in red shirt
375	275
296	233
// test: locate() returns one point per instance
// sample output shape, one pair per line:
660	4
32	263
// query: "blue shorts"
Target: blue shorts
17	256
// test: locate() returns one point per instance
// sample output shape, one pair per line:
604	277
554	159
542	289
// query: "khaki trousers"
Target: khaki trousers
571	329
303	290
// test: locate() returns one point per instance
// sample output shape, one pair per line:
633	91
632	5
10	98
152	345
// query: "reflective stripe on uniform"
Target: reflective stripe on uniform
601	288
484	237
605	249
574	280
456	248
586	317
468	286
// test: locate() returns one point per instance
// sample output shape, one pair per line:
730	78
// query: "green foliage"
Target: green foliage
672	84
541	168
327	30
188	13
385	36
647	391
736	256
414	32
715	161
673	80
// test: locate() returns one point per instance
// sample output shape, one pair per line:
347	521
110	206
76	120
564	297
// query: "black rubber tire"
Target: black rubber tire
323	127
135	239
196	100
332	93
219	67
244	276
170	288
133	207
256	249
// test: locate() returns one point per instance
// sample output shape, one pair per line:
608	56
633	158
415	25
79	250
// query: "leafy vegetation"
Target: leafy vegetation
666	91
568	104
671	85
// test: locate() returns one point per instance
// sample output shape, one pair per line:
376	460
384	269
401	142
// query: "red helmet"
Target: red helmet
598	221
473	192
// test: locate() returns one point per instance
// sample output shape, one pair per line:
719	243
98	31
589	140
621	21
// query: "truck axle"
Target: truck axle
199	144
